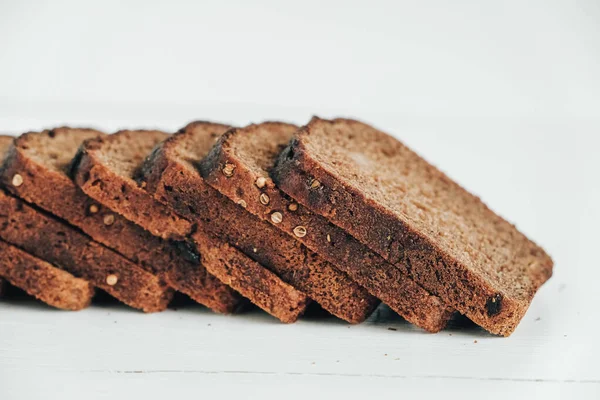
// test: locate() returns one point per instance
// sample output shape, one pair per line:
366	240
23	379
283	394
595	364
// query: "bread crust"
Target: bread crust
400	243
95	173
177	182
331	243
49	187
39	279
56	242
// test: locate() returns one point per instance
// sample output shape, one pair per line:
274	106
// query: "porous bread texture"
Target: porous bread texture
98	175
39	279
250	278
43	160
47	238
105	167
252	152
47	283
405	209
171	174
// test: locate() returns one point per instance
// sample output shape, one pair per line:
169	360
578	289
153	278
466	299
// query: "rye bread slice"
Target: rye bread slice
98	171
251	152
38	278
56	242
417	218
44	159
105	170
172	176
45	282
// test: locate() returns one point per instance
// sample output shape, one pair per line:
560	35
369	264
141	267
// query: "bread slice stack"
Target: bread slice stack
334	212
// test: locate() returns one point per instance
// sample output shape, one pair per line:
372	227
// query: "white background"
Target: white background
503	96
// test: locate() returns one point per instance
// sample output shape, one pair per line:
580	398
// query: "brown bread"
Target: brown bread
171	174
38	278
252	152
113	162
44	158
53	286
417	218
43	236
105	170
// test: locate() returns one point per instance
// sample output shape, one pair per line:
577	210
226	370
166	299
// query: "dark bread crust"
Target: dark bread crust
487	302
250	278
170	174
49	284
56	242
47	185
253	151
109	179
104	176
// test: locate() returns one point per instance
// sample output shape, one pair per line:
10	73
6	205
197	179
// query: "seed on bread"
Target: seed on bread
293	207
17	180
276	217
315	184
300	231
112	280
242	203
264	199
228	170
93	209
109	219
329	238
261	182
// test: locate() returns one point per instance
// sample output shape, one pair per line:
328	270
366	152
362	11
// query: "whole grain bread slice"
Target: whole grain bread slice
105	169
54	241
251	153
171	175
417	218
45	282
43	158
113	162
40	279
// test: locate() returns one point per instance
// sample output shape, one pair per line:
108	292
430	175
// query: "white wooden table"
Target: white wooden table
543	175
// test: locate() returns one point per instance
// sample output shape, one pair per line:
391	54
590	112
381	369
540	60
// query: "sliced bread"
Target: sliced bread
251	153
43	158
45	282
171	174
99	171
417	218
105	170
54	241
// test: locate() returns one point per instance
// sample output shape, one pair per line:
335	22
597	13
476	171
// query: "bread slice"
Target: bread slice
58	243
251	152
44	158
40	279
99	171
171	175
53	286
417	218
105	171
